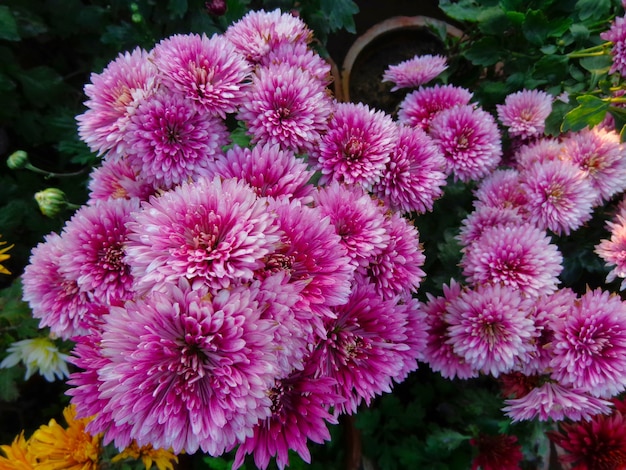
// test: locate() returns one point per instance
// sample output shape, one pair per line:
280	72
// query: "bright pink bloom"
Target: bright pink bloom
420	106
416	336
415	72
613	251
299	55
414	176
617	35
469	139
500	452
484	217
114	179
541	150
501	189
207	72
524	113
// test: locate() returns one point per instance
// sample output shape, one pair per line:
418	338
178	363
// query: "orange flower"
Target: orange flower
17	456
162	458
4	257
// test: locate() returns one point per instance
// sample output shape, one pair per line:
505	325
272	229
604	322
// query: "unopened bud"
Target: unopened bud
216	7
51	201
17	160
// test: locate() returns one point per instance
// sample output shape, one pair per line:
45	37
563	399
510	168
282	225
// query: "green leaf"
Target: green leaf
177	8
579	31
8	383
598	65
493	21
555	119
590	112
340	14
41	84
463	10
593	9
443	441
8	25
484	52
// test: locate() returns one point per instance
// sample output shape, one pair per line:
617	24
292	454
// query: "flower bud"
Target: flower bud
51	201
17	160
216	7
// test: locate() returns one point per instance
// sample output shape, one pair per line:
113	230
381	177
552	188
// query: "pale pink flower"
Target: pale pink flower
301	56
501	189
541	150
415	72
524	113
419	107
617	36
613	251
484	217
115	179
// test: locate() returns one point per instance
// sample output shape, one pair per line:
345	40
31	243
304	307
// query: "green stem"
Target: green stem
50	174
600	49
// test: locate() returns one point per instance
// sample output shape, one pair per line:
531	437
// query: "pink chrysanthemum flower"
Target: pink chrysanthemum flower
484	217
115	179
286	105
500	189
560	198
617	35
357	145
299	55
357	218
420	106
208	72
490	327
414	176
397	270
551	401
54	298
364	347
469	139
613	251
211	232
415	72
524	113
169	141
259	32
541	150
269	169
520	256
499	452
97	235
589	346
416	336
112	96
438	353
601	156
300	394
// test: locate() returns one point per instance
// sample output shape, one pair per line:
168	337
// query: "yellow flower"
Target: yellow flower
69	449
4	257
162	458
17	456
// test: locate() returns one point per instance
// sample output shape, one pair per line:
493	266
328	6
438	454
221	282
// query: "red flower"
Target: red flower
498	452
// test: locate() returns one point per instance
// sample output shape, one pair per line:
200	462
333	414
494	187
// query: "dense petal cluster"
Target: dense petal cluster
414	72
524	113
617	36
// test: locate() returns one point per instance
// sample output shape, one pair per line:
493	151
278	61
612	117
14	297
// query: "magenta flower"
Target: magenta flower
357	145
541	150
484	217
187	370
521	256
524	113
270	170
169	141
416	336
501	189
299	55
551	401
114	179
211	232
415	72
617	36
286	105
490	328
420	106
97	235
469	139
112	97
357	219
613	251
414	176
207	72
560	198
589	345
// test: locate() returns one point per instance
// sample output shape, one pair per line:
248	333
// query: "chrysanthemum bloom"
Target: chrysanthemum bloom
597	444
364	347
258	32
613	251
162	458
72	448
541	150
484	217
499	452
38	355
97	235
116	179
439	354
112	97
414	176
415	72
300	394
517	384
500	189
416	336
601	156
589	345
169	141
357	218
521	256
286	105
187	370
420	106
300	56
207	72
53	297
469	139
4	257
357	145
210	231
560	197
269	169
617	35
397	270
551	401
17	456
524	113
490	327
